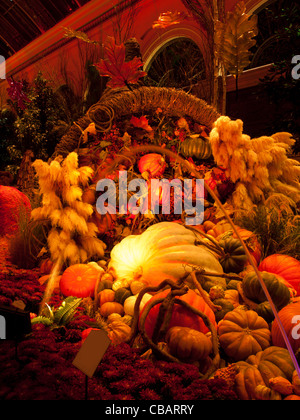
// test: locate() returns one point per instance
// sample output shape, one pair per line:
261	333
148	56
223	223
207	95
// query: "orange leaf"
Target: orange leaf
122	73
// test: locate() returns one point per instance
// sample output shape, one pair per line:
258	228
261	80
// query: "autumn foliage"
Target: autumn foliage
122	73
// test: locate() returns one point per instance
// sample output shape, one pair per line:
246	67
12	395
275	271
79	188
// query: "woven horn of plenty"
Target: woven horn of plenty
118	103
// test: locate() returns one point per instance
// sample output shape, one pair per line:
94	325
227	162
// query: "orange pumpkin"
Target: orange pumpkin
118	332
243	333
258	369
285	266
111	307
181	316
106	295
296	383
79	280
153	163
187	344
290	324
219	228
292	398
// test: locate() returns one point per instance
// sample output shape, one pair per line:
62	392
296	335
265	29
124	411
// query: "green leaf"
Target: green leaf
42	320
66	311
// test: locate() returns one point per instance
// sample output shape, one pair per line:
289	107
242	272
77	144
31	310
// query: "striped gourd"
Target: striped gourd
196	146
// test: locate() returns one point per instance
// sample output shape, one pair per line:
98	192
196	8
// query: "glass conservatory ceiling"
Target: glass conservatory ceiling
22	21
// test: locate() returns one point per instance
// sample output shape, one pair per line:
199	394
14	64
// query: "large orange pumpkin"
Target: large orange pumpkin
181	316
285	266
79	280
290	318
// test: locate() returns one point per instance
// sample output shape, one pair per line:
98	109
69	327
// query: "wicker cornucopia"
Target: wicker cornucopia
116	103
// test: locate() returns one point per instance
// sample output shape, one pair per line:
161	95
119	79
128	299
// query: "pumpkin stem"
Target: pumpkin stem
165	313
136	311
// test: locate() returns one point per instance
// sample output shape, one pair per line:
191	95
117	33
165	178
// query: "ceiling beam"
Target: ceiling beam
17	3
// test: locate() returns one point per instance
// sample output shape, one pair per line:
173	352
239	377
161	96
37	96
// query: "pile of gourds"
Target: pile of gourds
190	295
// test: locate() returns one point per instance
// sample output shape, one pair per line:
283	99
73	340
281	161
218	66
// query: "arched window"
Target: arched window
178	63
278	21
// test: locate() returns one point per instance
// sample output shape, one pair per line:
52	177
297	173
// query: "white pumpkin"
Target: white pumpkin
165	250
130	302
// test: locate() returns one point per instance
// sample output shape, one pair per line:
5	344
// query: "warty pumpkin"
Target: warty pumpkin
187	344
272	362
260	368
243	333
118	332
165	250
226	306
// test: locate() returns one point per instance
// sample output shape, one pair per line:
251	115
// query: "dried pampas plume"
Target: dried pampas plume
72	238
259	167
